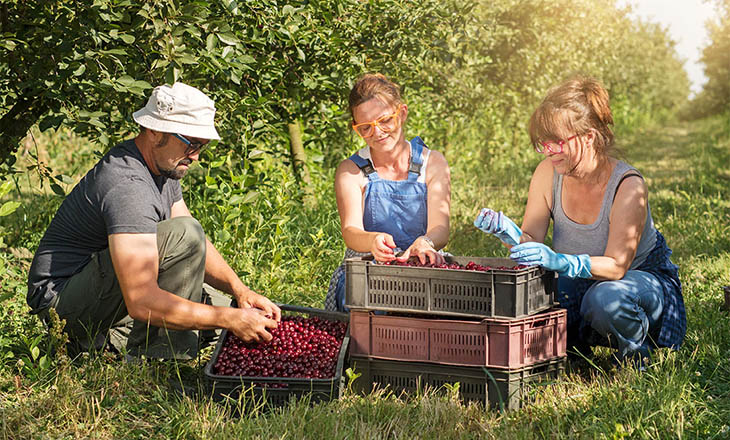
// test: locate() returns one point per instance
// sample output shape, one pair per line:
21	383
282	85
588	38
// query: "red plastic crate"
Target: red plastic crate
492	342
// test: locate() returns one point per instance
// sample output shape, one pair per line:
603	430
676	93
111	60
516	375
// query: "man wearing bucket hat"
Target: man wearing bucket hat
123	246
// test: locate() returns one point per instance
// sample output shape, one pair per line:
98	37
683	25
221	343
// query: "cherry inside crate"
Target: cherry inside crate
504	289
491	342
306	357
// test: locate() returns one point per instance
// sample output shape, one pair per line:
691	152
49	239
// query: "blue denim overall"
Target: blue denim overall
396	207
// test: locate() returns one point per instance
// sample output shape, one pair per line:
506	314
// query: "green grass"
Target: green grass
288	250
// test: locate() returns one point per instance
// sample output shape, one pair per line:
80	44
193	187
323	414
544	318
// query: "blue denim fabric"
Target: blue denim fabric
396	207
668	331
625	311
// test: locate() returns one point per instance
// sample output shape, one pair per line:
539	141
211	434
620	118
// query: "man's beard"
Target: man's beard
173	173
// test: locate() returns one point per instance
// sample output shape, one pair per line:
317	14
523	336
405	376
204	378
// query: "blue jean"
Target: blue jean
624	311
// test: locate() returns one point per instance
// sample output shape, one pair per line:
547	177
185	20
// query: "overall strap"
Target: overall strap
365	165
414	168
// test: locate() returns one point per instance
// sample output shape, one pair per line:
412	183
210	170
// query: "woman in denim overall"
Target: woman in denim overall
393	195
615	276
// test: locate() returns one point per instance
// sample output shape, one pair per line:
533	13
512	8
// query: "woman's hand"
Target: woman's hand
572	266
382	247
422	248
499	225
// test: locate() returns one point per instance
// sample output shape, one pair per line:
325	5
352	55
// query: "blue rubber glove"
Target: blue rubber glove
499	225
571	266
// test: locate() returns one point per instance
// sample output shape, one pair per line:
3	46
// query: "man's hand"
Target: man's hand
253	299
251	325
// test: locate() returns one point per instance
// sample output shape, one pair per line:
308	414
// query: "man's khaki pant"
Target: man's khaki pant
92	302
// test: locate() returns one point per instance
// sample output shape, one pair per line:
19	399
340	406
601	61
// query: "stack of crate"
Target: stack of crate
490	331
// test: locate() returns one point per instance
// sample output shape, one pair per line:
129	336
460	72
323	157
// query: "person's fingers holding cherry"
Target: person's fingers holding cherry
382	247
252	324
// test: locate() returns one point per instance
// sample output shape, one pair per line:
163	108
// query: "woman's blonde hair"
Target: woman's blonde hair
574	107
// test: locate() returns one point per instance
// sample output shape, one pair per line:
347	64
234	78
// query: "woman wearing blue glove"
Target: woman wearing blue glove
615	276
392	195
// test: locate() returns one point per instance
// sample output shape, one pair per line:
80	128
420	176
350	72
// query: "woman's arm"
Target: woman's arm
438	182
349	185
539	201
628	215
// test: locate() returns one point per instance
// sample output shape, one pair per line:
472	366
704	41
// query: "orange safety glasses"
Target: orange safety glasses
386	124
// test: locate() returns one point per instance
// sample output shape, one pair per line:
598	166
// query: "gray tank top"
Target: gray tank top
570	237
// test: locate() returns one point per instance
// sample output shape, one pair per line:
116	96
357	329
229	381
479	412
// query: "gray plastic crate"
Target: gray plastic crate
498	388
449	292
277	391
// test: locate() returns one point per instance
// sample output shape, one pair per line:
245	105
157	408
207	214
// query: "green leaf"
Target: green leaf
66	179
57	189
125	80
236	199
258	123
228	39
45	362
5	188
113	52
300	54
288	10
216	163
35	352
250	197
80	71
8	208
210	42
9	44
129	39
231	6
223	235
160	63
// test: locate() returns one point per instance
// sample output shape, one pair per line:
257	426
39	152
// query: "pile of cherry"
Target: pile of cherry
300	347
469	266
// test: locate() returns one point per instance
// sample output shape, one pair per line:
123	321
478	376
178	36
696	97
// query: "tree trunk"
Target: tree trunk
14	124
298	155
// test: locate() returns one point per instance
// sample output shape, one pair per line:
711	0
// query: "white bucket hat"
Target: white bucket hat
180	109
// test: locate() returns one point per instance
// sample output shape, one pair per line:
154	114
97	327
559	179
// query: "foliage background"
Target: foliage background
72	72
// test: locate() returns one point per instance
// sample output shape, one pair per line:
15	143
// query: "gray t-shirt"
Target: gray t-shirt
570	237
118	195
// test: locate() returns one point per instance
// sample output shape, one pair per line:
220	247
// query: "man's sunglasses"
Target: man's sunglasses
193	147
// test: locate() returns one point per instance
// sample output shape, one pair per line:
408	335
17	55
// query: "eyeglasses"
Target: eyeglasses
386	124
193	147
553	147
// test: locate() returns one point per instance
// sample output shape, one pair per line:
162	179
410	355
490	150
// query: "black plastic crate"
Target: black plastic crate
498	388
449	292
278	391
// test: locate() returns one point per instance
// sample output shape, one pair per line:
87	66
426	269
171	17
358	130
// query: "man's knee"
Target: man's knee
183	234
